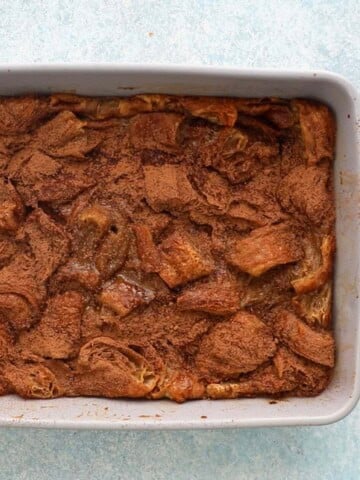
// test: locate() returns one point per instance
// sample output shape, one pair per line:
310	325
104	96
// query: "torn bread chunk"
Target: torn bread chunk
315	307
214	189
286	373
75	274
315	345
221	111
156	131
256	200
15	310
264	248
123	295
65	136
178	385
113	369
32	381
21	293
112	253
48	241
182	260
318	130
57	335
239	155
318	277
37	177
147	250
305	190
168	188
246	212
235	346
220	297
274	110
21	114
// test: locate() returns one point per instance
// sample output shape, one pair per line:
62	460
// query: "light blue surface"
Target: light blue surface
298	34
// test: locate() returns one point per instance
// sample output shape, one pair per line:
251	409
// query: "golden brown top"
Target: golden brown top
165	246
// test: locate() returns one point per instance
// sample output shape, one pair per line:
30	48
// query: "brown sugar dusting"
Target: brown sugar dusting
161	246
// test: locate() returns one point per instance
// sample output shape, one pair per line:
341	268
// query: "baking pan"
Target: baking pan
343	393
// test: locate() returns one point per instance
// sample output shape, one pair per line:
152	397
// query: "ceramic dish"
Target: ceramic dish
342	394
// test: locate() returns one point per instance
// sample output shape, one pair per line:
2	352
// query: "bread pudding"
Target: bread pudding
162	246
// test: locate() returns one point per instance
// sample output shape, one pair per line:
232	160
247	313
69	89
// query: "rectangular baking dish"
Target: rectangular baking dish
344	390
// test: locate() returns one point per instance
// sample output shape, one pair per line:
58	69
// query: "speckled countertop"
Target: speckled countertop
264	33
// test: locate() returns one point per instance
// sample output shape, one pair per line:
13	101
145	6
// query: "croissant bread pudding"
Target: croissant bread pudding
165	246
